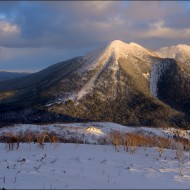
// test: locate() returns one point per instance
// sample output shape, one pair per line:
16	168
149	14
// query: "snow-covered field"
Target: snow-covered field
92	166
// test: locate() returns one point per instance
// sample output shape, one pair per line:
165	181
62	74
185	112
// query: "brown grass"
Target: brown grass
131	140
12	140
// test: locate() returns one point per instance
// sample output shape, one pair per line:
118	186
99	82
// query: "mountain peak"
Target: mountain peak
120	48
117	47
135	44
117	43
178	52
182	45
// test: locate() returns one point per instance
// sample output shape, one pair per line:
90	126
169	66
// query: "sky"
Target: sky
37	34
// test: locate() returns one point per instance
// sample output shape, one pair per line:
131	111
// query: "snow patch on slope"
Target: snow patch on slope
146	75
155	73
92	59
89	86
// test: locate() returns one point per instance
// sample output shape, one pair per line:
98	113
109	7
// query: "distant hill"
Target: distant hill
11	75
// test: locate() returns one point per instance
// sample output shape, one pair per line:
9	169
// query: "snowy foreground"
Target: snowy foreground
91	166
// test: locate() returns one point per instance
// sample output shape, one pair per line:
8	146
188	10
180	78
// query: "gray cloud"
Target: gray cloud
63	29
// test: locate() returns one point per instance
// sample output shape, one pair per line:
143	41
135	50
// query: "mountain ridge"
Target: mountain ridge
5	75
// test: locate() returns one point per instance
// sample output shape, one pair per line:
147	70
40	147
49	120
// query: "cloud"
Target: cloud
72	27
159	29
85	24
7	28
59	24
153	10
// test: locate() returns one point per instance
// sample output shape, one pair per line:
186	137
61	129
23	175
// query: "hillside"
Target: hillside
120	83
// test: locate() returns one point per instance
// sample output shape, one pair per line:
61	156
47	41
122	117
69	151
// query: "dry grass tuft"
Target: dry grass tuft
130	141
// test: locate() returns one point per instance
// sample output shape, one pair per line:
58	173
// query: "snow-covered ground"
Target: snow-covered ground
92	166
92	131
79	166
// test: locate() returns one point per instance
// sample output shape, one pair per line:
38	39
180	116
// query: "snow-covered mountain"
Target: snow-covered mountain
106	62
175	83
122	83
180	53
